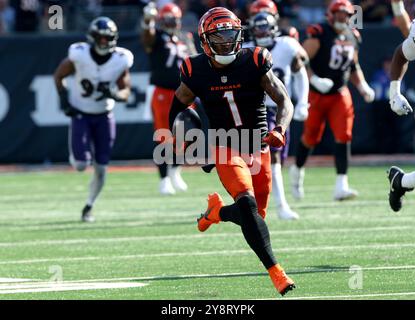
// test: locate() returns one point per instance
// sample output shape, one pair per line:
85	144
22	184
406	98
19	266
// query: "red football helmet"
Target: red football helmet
169	17
339	5
263	5
220	33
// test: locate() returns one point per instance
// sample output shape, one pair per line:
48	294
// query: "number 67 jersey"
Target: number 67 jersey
335	58
91	78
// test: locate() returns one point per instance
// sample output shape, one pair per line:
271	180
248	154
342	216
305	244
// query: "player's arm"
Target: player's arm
404	53
65	69
402	16
311	47
183	98
148	25
278	93
301	84
123	87
358	79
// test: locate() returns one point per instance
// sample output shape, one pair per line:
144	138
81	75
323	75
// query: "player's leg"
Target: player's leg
79	143
170	174
158	107
312	134
400	183
103	132
341	118
278	155
236	178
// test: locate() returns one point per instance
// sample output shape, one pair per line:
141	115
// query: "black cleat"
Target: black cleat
288	288
87	214
396	192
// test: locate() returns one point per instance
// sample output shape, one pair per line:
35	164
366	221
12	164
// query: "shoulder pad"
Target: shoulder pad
261	56
126	55
77	50
186	67
315	30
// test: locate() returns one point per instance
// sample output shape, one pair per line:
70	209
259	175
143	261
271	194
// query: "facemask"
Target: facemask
264	42
341	26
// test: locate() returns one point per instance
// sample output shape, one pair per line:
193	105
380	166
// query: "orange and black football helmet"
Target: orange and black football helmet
170	18
339	6
220	33
263	6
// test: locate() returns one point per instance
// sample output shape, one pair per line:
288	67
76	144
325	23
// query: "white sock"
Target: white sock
408	180
342	183
97	183
278	186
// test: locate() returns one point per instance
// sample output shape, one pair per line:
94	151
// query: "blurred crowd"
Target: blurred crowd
32	15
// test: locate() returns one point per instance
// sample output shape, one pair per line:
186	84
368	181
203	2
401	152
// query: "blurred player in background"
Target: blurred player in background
401	15
333	51
166	46
288	57
231	83
101	72
400	182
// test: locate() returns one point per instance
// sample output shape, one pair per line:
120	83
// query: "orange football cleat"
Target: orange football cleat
215	203
281	281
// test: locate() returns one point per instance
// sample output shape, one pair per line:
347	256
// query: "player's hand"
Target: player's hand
65	105
323	85
367	92
400	105
107	91
150	11
301	112
275	138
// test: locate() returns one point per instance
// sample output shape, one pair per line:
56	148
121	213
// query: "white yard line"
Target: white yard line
13	280
354	296
210	253
55	287
194	236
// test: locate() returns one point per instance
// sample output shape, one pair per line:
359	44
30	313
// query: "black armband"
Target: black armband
176	107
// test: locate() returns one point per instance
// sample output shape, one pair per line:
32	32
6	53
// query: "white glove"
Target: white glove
150	11
301	112
323	85
367	92
400	105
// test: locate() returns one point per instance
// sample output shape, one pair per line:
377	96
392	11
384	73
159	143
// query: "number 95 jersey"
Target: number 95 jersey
91	78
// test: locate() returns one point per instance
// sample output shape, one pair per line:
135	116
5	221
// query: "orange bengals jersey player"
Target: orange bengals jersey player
231	83
333	51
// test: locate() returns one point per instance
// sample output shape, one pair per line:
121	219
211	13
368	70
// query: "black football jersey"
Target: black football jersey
166	57
232	96
335	58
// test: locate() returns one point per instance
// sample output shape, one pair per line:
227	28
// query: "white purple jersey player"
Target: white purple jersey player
288	64
285	51
101	77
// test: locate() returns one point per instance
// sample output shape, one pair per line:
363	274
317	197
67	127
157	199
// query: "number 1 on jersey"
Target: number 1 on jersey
228	95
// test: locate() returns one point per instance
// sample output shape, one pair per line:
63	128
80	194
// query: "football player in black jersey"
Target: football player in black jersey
231	83
166	46
333	51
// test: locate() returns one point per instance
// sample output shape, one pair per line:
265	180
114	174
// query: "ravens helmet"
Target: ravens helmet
103	35
263	27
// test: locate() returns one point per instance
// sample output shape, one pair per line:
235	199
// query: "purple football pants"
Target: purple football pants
92	137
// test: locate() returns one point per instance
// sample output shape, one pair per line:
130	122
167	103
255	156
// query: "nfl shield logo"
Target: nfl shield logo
224	79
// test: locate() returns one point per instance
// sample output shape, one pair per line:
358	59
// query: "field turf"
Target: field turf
146	247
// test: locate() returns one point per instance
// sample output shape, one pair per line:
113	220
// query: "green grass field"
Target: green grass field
143	246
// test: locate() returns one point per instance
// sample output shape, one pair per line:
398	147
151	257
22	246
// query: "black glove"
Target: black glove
65	105
107	93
